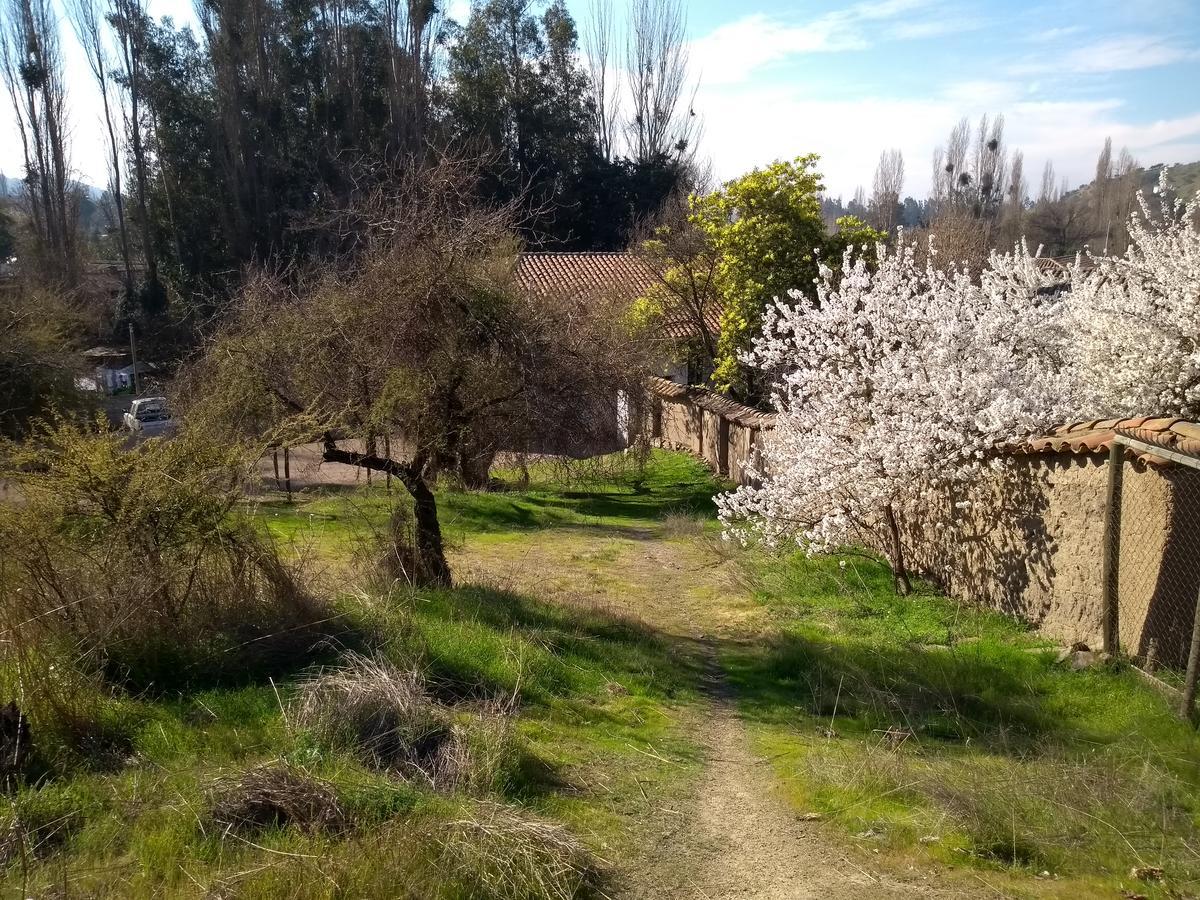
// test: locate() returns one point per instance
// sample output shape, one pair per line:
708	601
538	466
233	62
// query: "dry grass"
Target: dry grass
388	718
275	796
505	854
683	524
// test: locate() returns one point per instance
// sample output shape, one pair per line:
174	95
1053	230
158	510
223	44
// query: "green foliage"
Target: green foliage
130	564
37	373
764	237
516	92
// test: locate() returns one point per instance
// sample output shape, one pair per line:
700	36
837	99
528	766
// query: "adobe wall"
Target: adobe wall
726	445
1034	549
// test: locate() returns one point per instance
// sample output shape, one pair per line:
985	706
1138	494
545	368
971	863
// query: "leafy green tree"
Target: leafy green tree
767	236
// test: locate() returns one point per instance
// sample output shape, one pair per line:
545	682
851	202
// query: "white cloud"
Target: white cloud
733	52
750	127
1049	35
1115	54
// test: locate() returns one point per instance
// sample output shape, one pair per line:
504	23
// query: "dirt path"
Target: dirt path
737	838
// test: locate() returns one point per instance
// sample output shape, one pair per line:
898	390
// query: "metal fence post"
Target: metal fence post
1188	704
1111	624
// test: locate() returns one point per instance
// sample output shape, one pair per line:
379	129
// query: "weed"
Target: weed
515	857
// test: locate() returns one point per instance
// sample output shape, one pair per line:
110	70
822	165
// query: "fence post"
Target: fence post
287	471
1110	626
1193	670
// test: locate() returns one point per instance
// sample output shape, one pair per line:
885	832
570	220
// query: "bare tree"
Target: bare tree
32	65
885	195
87	20
418	334
664	122
129	21
606	87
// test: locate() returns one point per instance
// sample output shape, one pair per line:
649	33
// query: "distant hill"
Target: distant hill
1183	178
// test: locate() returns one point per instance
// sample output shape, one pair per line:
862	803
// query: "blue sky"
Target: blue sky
848	80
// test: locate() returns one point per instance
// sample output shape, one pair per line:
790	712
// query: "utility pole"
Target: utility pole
137	381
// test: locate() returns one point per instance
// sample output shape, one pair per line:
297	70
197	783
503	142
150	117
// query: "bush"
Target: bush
130	569
276	796
516	856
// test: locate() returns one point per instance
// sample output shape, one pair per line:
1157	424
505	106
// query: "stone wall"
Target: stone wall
1034	549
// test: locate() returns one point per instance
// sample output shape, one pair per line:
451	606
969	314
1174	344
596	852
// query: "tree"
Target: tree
767	235
419	336
88	21
663	123
885	198
896	385
32	67
1059	222
1137	316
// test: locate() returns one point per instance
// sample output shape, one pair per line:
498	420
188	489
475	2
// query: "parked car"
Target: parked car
148	417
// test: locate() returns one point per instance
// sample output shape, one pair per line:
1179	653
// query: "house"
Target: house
625	277
112	370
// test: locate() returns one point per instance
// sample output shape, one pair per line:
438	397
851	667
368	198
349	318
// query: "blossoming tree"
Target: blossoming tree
897	383
1137	316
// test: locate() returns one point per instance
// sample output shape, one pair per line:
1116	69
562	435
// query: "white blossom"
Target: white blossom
1137	317
900	381
896	389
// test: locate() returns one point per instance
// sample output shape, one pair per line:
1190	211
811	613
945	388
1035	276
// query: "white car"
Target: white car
148	417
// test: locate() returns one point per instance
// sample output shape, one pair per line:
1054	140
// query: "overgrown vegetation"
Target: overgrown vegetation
918	725
433	739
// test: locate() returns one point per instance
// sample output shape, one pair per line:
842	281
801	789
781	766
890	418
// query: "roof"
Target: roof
625	277
712	401
105	353
1096	437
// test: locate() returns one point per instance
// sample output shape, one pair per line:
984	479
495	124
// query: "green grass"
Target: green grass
610	494
599	701
924	727
933	733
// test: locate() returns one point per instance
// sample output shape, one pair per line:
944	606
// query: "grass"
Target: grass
950	734
937	735
614	495
595	697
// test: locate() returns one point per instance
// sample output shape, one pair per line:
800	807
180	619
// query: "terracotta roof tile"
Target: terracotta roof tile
1095	438
621	276
712	401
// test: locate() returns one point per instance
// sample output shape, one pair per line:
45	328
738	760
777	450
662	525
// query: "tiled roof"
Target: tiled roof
712	401
1096	437
620	276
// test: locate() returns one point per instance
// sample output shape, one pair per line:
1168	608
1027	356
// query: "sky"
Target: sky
847	80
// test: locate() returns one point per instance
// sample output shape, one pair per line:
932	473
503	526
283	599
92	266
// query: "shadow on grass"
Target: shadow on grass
974	692
481	641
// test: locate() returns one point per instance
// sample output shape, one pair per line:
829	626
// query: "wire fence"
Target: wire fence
1151	562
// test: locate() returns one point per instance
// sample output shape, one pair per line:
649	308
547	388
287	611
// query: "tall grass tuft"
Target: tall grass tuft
387	717
504	854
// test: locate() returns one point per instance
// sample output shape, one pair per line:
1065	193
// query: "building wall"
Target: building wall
1034	549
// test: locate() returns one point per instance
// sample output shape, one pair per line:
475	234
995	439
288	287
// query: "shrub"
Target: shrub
515	856
133	563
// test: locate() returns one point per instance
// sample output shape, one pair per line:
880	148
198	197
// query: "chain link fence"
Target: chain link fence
1151	610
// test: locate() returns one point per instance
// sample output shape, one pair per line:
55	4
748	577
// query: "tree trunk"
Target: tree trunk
433	570
900	579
